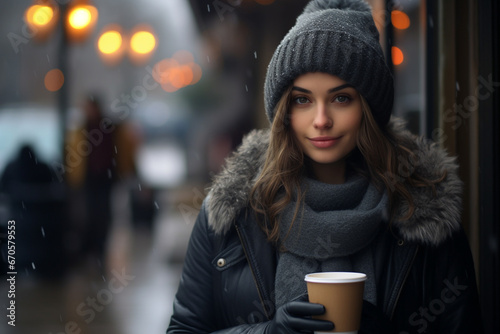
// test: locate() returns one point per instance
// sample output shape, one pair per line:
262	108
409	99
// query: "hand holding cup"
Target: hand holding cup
342	295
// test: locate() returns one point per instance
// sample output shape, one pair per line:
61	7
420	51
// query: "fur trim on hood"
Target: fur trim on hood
434	218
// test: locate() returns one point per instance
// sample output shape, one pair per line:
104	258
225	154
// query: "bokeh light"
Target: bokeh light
397	55
143	42
80	21
177	72
54	80
110	42
40	15
79	18
400	20
42	18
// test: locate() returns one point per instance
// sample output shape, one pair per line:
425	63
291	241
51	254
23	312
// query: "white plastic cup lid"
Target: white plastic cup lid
335	277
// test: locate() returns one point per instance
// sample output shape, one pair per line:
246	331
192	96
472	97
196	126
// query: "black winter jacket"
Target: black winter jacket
424	272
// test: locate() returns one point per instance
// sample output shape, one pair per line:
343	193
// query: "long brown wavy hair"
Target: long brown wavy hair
382	155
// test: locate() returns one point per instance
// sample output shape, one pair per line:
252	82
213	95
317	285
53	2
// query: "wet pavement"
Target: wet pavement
135	296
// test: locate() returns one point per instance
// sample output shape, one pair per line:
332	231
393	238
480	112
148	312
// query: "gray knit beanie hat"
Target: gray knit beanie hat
338	37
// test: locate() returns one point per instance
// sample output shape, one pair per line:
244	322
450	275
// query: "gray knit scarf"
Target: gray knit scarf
331	233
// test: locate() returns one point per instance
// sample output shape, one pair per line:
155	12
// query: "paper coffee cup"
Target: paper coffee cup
341	293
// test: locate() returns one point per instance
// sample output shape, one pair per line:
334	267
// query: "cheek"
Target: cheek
352	121
296	123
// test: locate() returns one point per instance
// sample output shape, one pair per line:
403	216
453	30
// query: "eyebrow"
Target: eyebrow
331	90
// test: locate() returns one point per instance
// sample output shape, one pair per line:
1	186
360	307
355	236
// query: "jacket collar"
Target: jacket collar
434	219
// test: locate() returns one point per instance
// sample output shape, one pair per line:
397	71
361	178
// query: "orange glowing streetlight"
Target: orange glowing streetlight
80	17
41	18
80	20
111	44
142	44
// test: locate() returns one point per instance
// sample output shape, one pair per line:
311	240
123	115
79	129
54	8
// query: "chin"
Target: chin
326	160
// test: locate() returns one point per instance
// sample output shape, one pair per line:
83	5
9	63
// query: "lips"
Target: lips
324	142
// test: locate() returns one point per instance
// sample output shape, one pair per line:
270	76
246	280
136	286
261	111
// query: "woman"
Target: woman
332	186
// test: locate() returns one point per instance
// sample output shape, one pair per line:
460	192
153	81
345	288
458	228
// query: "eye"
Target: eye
343	99
300	100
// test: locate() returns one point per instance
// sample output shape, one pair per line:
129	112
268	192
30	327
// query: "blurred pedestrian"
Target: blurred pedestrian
99	154
25	168
35	201
91	157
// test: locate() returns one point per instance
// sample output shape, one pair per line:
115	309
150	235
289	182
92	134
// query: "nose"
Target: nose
322	120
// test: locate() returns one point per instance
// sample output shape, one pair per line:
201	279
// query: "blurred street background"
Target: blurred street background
115	115
111	126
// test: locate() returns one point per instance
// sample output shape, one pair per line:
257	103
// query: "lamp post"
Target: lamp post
77	20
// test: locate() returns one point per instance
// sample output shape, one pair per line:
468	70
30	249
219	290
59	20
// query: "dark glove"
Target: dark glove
374	321
294	317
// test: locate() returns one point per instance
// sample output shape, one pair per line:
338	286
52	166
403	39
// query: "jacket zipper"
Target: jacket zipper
403	283
243	244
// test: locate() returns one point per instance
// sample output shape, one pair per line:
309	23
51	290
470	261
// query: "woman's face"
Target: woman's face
326	116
